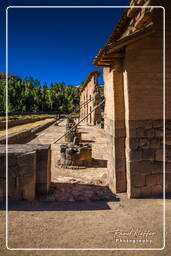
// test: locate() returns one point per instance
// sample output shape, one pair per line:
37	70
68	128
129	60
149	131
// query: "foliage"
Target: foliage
29	95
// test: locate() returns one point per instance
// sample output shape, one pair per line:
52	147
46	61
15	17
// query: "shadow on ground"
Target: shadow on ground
98	163
87	141
55	206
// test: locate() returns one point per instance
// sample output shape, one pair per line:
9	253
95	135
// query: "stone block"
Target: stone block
147	124
157	123
2	166
168	141
168	188
146	191
168	133
157	190
133	132
152	179
144	142
138	180
25	159
2	189
134	192
168	155
143	167
149	132
168	178
148	154
158	167
136	155
140	132
155	143
158	132
159	155
134	124
133	142
167	167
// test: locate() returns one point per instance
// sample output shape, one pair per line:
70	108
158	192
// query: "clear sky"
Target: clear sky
55	45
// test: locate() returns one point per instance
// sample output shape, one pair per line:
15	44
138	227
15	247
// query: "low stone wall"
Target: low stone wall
12	123
20	136
29	171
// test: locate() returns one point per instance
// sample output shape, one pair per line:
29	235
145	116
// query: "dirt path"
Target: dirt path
93	135
77	184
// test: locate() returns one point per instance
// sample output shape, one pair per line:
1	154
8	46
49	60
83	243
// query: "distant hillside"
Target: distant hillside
13	78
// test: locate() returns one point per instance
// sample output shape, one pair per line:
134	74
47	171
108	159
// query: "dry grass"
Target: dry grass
23	127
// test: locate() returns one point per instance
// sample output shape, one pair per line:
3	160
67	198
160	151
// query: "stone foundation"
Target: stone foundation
144	158
144	148
29	171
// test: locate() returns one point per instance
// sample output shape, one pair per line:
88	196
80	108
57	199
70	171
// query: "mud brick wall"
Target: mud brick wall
29	168
145	154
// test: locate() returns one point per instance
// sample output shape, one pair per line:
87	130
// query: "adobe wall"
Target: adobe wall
90	91
114	115
29	171
143	99
144	145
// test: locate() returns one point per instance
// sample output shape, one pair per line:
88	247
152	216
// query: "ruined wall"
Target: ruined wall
89	92
29	171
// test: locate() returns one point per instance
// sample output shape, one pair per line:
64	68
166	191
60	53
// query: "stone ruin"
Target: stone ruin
73	133
74	154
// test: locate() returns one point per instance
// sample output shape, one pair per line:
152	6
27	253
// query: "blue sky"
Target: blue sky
56	45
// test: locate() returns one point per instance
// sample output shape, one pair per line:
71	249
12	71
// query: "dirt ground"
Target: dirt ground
118	223
85	225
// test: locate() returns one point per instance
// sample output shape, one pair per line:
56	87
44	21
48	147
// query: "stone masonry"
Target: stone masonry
29	171
133	88
89	98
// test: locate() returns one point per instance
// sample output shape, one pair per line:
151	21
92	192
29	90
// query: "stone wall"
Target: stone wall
145	158
29	171
20	136
134	104
90	93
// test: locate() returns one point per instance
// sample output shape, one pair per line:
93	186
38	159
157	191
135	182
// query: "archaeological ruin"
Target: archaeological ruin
89	98
134	112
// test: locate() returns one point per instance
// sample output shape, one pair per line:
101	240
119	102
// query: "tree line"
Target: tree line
29	95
